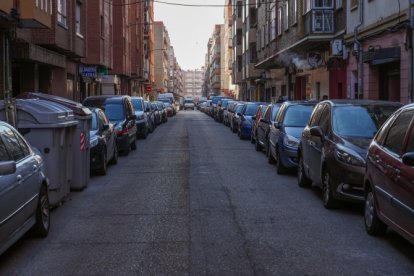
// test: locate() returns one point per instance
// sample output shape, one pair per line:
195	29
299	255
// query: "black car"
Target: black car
261	134
150	116
120	112
163	111
333	147
157	113
102	142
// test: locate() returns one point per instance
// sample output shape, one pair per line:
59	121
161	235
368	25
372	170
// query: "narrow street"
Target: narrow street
193	199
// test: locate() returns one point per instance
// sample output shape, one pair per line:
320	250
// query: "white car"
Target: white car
189	104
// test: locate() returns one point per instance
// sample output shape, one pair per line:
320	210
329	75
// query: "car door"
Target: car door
274	131
18	188
106	133
307	141
396	188
132	128
316	144
263	125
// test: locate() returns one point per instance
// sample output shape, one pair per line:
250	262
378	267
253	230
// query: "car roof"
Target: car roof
101	100
339	102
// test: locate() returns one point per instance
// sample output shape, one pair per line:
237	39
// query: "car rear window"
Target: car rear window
251	109
137	103
297	115
114	112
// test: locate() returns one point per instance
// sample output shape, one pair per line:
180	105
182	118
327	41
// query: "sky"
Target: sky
189	28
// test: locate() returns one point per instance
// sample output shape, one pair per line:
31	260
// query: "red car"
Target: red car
389	177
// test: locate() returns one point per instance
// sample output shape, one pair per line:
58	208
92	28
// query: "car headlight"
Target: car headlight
93	142
349	156
290	141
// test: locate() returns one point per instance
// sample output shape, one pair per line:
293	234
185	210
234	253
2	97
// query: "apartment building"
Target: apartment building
206	83
149	78
99	50
47	42
215	60
229	89
193	83
161	57
378	40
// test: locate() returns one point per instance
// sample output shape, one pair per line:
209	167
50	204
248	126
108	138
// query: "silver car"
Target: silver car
24	202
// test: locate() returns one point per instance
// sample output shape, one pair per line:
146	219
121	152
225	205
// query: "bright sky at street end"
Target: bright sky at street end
189	27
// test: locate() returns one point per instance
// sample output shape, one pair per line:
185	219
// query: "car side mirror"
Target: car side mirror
133	117
262	120
105	127
408	159
239	114
7	167
276	125
317	131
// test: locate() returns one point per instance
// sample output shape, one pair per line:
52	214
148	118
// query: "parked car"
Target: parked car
285	133
150	116
235	122
231	108
142	120
103	149
157	113
389	176
246	121
189	104
334	144
226	112
264	124
120	112
169	109
163	112
24	201
222	105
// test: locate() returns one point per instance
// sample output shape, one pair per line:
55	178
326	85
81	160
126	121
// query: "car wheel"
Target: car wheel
373	225
257	145
303	180
103	169
269	155
134	144
281	169
329	202
114	159
42	225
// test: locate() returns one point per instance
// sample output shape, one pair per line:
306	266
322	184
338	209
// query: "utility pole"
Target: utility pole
411	54
6	79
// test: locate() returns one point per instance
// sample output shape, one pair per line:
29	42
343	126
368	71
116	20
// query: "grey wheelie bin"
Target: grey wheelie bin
50	128
80	145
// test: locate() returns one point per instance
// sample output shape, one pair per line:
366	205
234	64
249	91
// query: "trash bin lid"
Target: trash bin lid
77	108
36	113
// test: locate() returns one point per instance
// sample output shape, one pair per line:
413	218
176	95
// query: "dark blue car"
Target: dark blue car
285	133
246	121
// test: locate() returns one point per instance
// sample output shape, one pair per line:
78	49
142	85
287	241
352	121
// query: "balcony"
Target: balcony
35	16
319	21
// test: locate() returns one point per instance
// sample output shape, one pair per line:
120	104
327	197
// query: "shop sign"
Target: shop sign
87	71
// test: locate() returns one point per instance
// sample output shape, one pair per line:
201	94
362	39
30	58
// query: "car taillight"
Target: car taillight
122	132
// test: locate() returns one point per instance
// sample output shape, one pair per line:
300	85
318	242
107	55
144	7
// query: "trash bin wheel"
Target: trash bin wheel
42	225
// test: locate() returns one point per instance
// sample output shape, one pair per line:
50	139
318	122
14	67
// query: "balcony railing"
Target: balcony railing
319	21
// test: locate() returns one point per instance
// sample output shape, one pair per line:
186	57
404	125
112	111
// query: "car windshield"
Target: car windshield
251	109
94	125
188	101
114	112
297	115
360	121
137	103
274	111
239	108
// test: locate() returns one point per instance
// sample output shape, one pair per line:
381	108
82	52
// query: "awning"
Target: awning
381	56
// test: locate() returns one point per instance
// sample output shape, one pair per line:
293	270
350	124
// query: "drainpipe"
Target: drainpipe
358	48
410	42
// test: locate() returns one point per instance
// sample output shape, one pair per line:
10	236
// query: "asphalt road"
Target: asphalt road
193	199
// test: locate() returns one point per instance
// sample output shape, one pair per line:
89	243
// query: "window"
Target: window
354	4
78	18
287	16
314	121
4	156
239	63
396	134
295	12
325	120
239	36
273	29
339	4
61	12
16	147
253	52
279	21
239	9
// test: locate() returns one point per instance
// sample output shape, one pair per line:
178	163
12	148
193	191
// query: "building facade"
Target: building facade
161	57
193	83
